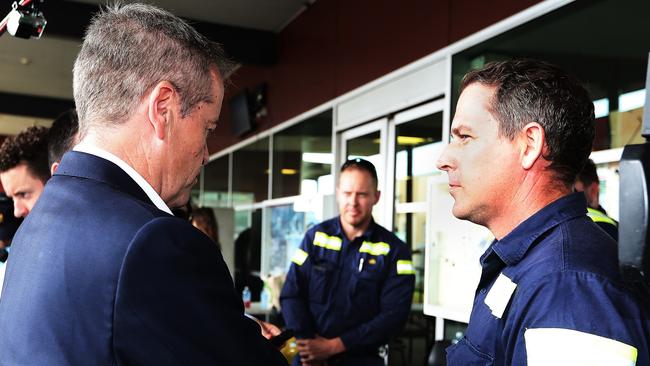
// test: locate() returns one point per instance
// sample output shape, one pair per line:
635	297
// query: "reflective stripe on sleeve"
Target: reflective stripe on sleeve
380	248
556	346
329	242
597	216
299	257
405	267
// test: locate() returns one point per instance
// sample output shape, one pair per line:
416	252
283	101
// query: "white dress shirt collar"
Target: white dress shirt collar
146	187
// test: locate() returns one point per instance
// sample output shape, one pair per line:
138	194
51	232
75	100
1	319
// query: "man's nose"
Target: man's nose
444	160
20	210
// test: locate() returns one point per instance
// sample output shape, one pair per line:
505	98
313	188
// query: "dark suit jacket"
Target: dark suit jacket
99	276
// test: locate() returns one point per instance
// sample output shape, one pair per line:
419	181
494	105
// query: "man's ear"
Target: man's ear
160	107
534	141
54	167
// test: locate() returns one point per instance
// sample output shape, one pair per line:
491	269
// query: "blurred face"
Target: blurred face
20	184
356	195
482	167
188	147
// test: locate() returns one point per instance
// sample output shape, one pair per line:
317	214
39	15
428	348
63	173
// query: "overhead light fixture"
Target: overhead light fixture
318	158
288	171
410	140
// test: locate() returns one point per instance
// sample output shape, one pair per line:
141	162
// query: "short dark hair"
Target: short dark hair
536	91
30	147
62	134
588	174
361	164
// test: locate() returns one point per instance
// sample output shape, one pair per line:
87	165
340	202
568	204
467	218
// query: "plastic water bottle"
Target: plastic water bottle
265	297
246	297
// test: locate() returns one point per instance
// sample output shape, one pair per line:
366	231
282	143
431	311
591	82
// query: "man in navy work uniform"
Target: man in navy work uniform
588	183
550	291
101	272
350	285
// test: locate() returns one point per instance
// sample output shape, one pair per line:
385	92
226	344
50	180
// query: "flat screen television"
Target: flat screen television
241	119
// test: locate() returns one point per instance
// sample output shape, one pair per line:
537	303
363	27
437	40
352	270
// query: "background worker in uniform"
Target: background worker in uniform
550	291
350	286
589	184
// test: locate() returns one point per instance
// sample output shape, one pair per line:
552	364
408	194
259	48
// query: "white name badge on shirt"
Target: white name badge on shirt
499	296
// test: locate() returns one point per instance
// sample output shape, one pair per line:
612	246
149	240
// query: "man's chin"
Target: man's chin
460	213
179	200
355	220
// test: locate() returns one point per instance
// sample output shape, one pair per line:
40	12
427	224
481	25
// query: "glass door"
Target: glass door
417	139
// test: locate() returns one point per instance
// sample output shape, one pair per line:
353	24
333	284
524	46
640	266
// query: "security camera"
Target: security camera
25	22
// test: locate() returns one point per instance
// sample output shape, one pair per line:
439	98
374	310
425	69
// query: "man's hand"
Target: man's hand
269	330
314	351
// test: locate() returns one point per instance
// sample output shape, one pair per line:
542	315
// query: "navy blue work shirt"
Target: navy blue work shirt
359	290
550	293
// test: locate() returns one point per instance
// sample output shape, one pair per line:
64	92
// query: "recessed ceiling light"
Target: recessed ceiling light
288	171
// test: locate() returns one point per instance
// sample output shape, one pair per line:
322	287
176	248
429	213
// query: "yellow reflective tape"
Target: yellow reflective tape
380	248
405	267
597	216
329	242
556	346
299	257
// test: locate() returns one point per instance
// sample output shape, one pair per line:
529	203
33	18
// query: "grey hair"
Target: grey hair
127	50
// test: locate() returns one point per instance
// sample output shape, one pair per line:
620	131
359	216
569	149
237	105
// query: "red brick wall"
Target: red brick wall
338	45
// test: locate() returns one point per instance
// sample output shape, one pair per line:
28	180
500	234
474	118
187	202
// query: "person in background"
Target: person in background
350	284
102	273
24	169
588	183
62	137
550	291
8	226
203	219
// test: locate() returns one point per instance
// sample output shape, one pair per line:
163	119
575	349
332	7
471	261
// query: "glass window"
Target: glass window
215	182
410	227
417	145
302	158
250	167
248	248
414	148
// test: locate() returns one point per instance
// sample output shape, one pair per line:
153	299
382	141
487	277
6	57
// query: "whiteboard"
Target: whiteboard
453	248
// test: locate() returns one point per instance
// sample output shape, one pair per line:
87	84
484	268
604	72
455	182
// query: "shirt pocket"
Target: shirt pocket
367	286
466	354
320	282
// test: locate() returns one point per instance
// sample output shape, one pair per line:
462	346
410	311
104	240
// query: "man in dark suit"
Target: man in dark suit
101	272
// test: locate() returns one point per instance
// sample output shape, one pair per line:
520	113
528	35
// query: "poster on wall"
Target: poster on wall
288	227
